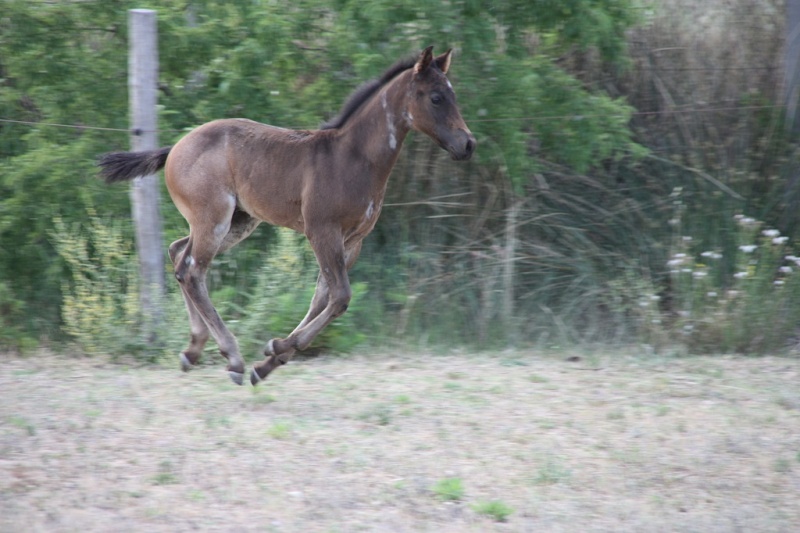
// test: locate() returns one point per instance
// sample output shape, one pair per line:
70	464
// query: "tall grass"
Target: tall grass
575	256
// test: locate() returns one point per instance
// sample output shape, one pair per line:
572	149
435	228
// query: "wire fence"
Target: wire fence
709	108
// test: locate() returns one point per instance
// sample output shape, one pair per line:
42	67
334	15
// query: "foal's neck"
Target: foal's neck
378	131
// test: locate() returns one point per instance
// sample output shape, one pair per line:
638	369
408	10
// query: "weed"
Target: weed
513	362
213	421
197	495
380	414
782	466
552	471
402	399
495	509
262	398
616	414
23	423
279	430
788	402
166	475
449	489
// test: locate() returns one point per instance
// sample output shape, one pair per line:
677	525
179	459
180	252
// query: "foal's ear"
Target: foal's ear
424	60
443	61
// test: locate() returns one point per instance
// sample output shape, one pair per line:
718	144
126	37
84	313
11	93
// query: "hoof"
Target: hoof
255	379
236	377
186	365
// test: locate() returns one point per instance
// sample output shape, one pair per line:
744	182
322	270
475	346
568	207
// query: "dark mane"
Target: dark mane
365	92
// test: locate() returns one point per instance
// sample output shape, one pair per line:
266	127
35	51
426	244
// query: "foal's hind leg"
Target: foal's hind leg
199	330
208	235
191	273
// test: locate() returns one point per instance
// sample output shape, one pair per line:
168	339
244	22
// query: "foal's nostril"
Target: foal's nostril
470	146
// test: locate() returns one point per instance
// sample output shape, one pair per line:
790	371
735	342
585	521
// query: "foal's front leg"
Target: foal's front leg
318	303
330	300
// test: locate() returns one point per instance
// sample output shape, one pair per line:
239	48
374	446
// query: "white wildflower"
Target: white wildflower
686	238
748	248
779	282
771	233
711	255
699	274
711	294
780	240
676	260
740	275
785	269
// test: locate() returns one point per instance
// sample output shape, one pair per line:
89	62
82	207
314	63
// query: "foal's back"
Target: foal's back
260	168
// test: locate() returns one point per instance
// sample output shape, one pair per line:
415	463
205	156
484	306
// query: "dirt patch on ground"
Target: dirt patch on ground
404	443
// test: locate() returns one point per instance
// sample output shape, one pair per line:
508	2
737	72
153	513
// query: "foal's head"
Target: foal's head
432	106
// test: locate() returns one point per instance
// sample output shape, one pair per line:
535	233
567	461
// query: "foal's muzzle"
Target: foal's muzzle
461	146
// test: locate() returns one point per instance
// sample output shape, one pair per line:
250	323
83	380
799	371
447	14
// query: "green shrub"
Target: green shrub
12	335
101	305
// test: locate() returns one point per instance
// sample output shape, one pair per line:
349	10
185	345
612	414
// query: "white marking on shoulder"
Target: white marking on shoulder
189	260
370	210
392	141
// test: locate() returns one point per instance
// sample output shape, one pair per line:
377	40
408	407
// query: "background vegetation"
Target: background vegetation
631	154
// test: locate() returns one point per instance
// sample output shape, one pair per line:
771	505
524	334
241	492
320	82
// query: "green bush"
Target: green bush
101	305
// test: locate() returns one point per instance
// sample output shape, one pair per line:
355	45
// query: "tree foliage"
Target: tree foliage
559	181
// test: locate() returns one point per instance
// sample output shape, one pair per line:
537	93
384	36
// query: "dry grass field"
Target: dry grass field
404	443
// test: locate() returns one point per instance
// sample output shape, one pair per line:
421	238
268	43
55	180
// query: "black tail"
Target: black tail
124	166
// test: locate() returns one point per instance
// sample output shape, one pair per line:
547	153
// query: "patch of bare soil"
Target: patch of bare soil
404	443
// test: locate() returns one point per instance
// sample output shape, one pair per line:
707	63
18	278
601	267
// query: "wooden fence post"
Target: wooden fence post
791	63
142	94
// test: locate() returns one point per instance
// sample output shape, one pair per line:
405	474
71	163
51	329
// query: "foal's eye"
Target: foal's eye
436	99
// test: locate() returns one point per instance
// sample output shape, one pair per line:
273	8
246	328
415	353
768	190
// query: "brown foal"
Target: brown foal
227	176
